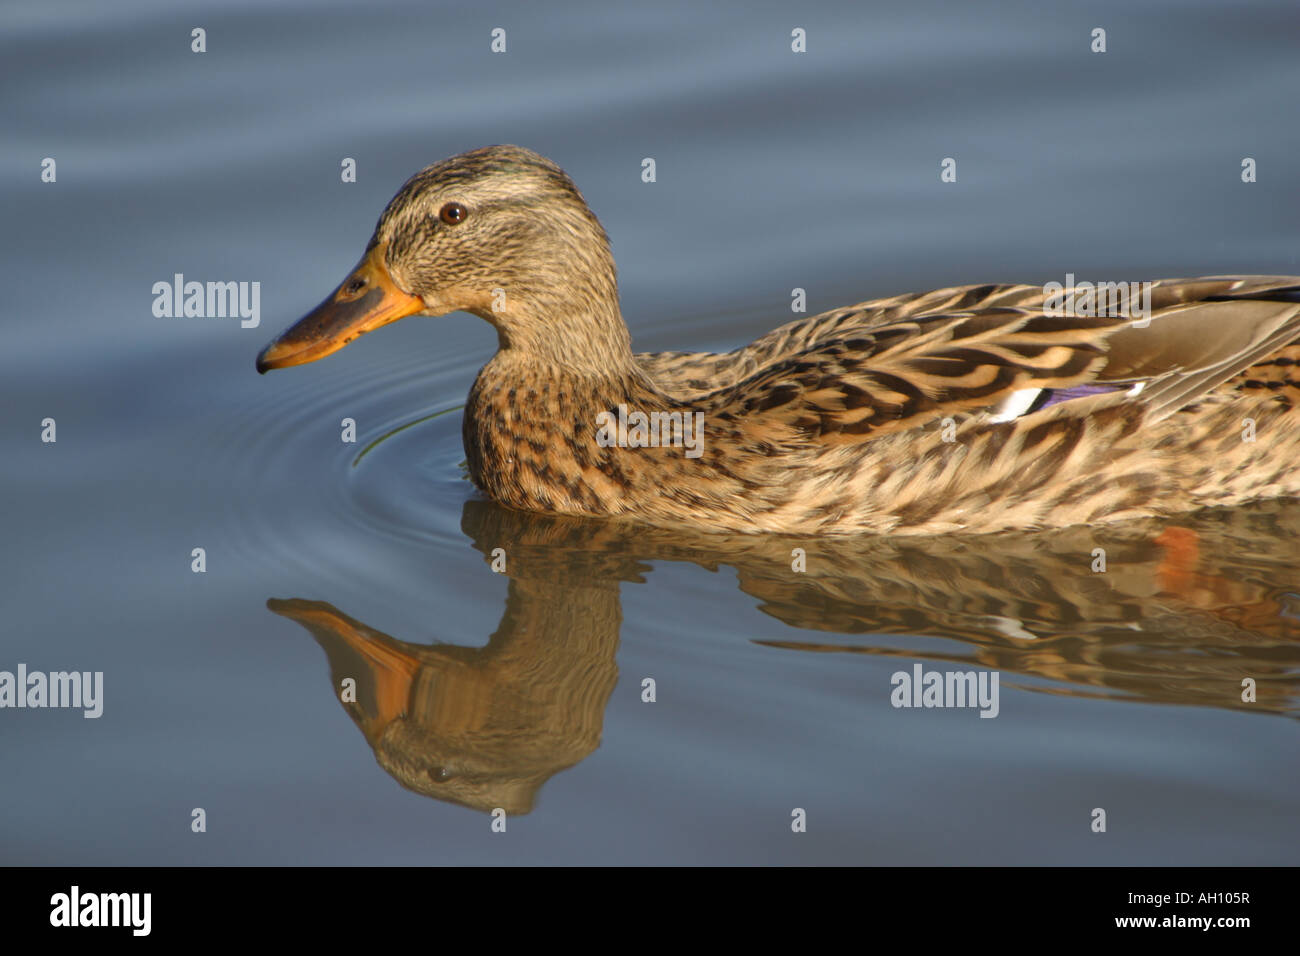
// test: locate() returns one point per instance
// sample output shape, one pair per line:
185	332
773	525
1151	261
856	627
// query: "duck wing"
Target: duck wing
1005	361
697	373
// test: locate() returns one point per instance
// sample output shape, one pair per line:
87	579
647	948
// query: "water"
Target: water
523	690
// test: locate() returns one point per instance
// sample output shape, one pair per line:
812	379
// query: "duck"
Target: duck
970	409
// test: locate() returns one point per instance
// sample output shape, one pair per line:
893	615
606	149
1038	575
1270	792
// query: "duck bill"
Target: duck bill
366	300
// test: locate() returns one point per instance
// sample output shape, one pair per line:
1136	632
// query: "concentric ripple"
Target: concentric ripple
296	498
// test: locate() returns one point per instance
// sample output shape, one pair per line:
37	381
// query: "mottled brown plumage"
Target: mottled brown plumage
913	414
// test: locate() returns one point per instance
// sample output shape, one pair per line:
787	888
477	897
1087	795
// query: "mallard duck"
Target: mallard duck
964	409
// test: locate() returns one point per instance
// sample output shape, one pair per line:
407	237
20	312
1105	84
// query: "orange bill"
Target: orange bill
366	300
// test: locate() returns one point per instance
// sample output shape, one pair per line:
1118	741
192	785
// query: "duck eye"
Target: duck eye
452	213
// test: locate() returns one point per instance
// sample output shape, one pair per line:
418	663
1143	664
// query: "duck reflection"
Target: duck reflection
1157	612
482	727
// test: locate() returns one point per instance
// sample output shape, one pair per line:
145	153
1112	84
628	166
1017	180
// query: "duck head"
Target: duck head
500	232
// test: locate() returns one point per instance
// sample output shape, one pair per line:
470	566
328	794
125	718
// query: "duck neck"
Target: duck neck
564	312
584	337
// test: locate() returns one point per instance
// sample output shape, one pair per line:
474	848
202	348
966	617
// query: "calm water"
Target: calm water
522	690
